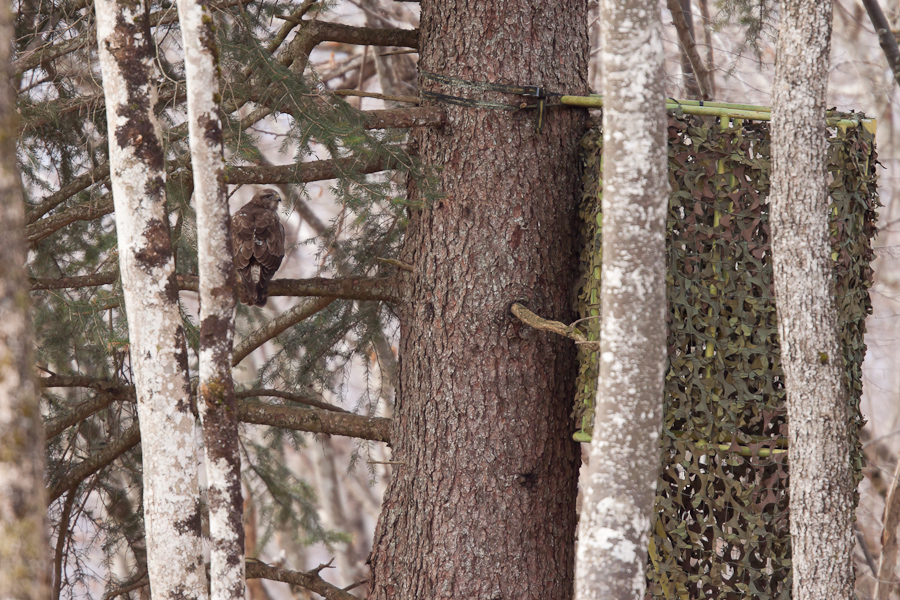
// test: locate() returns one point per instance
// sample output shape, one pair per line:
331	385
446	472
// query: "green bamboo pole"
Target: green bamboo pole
712	109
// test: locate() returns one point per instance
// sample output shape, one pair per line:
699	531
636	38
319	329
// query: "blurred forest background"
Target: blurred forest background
313	497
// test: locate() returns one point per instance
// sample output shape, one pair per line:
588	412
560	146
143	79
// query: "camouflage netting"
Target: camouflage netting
722	495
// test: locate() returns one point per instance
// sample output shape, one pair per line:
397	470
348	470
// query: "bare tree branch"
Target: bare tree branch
388	97
304	172
125	393
79	281
309	580
313	33
141	581
384	289
538	322
313	420
707	39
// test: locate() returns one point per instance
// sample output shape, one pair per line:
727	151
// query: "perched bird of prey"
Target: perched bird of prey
258	244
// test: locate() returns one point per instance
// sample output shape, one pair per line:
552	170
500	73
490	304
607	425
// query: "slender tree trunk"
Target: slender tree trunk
217	285
481	503
156	336
707	39
822	486
890	540
24	552
621	480
691	89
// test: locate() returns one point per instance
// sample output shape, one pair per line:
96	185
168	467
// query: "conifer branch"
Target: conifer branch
80	183
420	116
50	52
310	580
112	391
80	281
359	94
57	425
313	420
277	326
313	33
87	37
86	211
302	172
383	289
73	478
307	397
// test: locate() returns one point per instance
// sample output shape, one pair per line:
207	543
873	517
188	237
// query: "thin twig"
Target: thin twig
397	263
140	581
61	543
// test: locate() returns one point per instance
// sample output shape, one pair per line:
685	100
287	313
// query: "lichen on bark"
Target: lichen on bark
620	482
217	302
822	484
156	337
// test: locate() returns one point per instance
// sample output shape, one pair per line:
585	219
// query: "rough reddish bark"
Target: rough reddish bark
24	553
482	504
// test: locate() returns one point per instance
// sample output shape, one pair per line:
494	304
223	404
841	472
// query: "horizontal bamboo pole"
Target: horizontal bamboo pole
753	107
716	109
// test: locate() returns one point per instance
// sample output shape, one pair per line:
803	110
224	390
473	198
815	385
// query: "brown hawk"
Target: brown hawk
258	244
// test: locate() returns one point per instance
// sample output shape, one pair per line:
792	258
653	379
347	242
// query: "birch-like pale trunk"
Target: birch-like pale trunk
156	337
217	285
821	488
620	481
24	553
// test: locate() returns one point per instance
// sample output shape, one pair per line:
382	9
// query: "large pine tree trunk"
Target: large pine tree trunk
155	333
23	506
620	482
821	479
482	502
217	285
